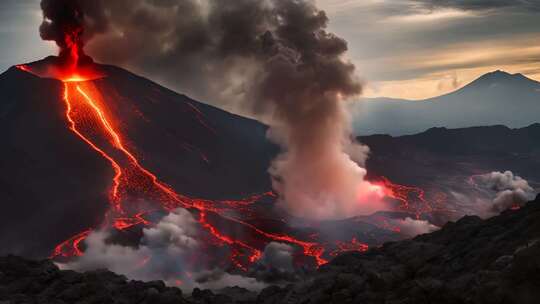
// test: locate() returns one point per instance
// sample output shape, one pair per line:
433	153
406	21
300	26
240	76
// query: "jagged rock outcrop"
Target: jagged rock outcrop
494	261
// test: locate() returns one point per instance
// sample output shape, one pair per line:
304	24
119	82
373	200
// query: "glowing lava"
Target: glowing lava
406	194
89	119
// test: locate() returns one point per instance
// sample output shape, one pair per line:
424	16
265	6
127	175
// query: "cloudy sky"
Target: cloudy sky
410	49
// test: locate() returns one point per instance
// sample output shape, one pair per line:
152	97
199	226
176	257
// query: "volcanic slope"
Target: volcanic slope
53	184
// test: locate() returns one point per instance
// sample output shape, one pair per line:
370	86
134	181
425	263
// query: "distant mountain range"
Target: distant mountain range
496	98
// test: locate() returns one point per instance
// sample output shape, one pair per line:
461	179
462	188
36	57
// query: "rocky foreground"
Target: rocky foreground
470	261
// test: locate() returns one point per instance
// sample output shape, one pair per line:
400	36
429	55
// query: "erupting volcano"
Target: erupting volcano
258	187
163	151
136	193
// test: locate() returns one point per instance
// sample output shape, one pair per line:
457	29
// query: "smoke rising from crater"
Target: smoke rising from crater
272	59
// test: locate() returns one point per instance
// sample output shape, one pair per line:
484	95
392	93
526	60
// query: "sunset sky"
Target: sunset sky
411	49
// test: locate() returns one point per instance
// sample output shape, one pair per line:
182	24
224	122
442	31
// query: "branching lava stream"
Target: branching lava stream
91	122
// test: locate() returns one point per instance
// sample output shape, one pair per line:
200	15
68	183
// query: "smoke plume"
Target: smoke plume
505	191
70	24
511	190
164	253
273	59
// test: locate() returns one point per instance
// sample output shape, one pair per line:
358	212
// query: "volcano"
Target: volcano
51	178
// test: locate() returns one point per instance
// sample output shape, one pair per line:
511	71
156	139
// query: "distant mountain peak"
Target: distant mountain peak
501	77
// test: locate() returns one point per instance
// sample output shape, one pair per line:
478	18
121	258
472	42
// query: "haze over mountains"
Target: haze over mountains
496	98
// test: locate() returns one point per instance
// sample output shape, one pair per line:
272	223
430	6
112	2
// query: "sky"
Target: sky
411	49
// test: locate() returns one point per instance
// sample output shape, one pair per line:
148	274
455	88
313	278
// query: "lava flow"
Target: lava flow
89	119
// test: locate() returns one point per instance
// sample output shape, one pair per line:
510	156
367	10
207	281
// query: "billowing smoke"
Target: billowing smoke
506	190
160	254
273	59
411	227
67	22
165	253
511	190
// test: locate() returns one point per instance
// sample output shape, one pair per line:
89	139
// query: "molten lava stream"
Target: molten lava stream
88	119
73	113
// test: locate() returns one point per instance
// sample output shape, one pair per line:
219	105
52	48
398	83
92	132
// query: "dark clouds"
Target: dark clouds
383	50
70	23
404	48
533	5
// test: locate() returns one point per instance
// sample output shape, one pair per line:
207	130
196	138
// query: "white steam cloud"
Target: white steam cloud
164	253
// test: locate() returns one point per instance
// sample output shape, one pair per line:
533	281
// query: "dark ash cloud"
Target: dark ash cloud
273	59
70	23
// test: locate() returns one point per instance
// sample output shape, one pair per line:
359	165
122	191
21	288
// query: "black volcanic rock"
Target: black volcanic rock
23	281
469	261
